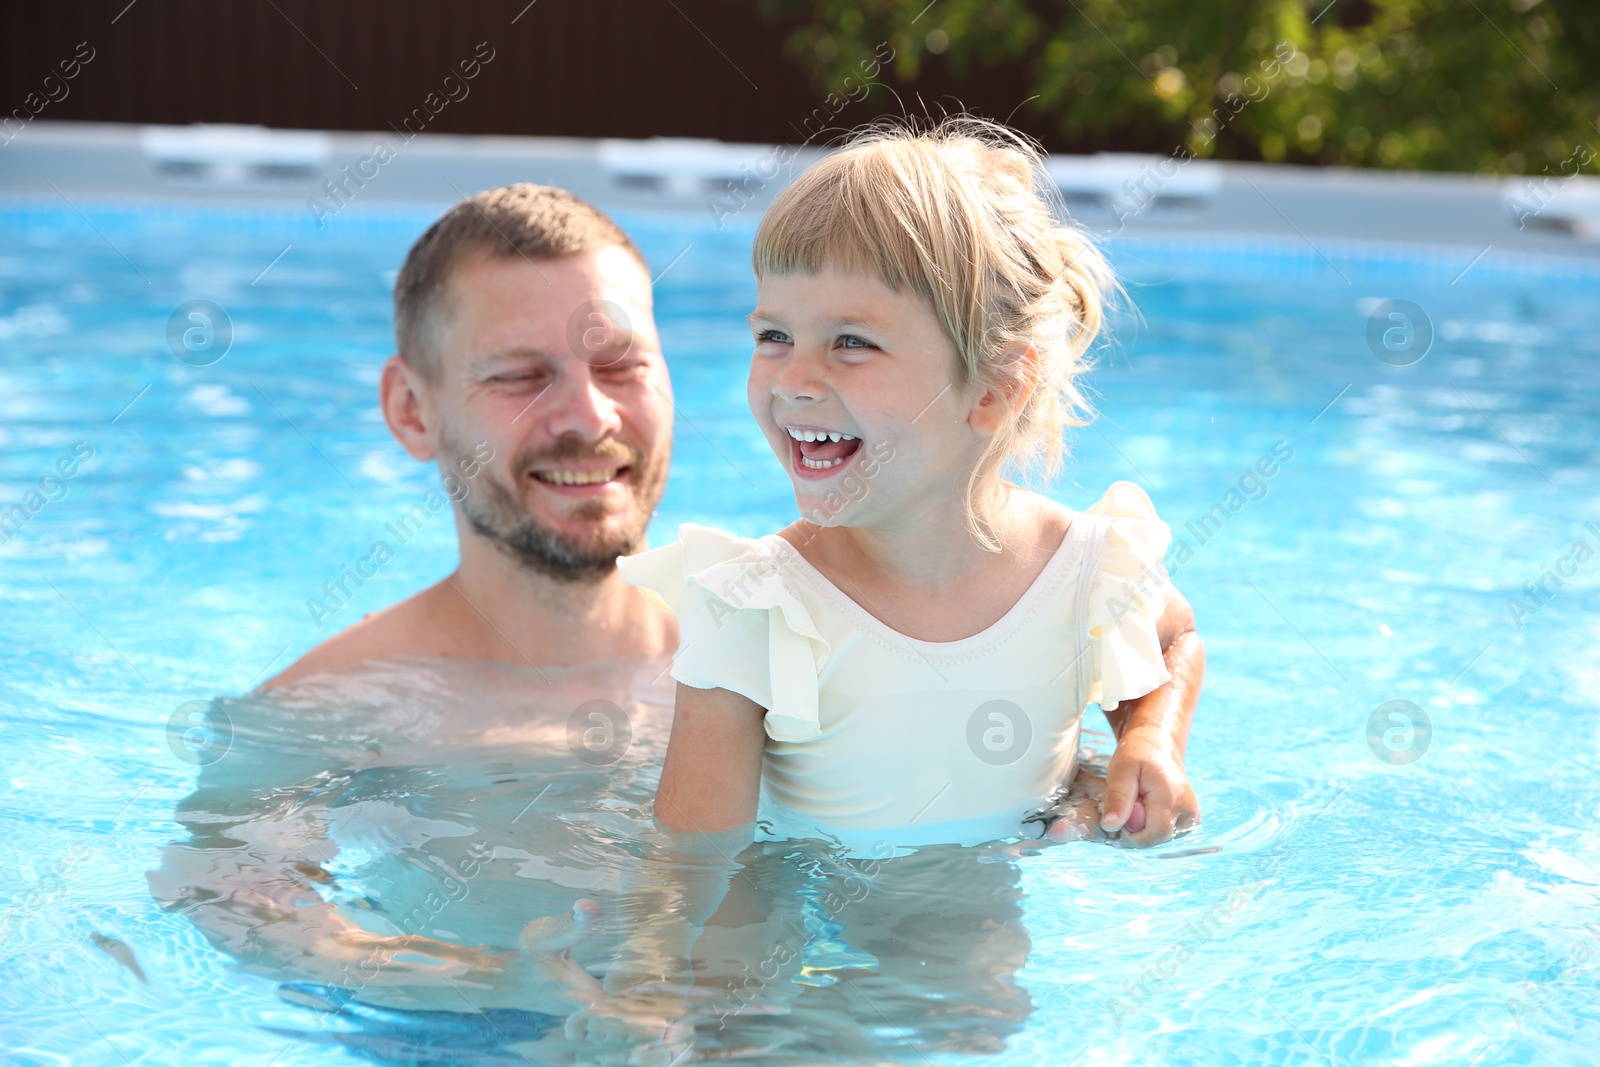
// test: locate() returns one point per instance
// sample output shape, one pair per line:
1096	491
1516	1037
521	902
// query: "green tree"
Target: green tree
1506	86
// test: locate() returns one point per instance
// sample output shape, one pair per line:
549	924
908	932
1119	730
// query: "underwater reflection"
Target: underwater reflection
905	956
402	846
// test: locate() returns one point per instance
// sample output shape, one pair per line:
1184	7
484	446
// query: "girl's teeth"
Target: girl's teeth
819	464
819	435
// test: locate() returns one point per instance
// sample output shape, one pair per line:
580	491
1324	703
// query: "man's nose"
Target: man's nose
582	409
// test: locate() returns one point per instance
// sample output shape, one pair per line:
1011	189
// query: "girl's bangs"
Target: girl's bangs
835	217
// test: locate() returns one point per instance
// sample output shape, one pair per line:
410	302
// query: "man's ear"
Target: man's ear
999	402
401	390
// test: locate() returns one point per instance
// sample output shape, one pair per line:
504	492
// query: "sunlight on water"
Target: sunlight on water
1396	752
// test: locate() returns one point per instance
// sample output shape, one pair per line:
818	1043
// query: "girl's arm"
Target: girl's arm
1152	735
711	780
1169	708
710	784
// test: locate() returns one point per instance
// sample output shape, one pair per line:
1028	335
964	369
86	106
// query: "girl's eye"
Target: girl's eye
772	337
850	340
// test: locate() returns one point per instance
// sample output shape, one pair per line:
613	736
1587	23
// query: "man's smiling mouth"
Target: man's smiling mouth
579	477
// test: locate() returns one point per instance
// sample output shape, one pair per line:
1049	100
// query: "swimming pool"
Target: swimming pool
1375	882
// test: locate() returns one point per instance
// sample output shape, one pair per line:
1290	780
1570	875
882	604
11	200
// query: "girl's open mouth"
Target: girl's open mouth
819	453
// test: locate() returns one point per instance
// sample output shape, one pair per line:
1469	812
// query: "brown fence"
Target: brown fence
581	68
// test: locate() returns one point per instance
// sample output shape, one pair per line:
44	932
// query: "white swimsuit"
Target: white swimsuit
880	740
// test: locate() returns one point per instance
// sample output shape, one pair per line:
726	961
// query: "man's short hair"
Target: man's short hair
532	221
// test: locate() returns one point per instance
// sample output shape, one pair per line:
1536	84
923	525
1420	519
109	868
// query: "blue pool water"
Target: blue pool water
1375	882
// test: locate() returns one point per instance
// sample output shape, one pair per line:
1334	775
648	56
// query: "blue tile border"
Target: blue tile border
1181	256
1263	255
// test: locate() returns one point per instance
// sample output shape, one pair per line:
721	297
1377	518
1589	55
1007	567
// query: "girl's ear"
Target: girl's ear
988	412
1004	400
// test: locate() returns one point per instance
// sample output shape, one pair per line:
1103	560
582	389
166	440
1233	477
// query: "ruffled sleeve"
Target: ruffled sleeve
740	627
1127	597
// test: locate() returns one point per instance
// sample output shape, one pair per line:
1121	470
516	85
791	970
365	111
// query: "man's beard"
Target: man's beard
502	517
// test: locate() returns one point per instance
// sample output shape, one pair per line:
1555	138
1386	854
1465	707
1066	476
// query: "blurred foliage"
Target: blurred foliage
1508	86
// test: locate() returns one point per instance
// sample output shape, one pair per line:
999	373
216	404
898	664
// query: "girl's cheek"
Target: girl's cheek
755	389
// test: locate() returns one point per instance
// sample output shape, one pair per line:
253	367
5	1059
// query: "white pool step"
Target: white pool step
227	155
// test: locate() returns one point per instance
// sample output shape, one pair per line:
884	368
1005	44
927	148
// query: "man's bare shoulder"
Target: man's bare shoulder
409	628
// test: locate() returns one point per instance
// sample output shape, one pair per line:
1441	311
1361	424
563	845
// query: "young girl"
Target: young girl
908	663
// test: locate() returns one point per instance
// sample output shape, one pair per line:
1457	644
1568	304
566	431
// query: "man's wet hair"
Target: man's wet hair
524	220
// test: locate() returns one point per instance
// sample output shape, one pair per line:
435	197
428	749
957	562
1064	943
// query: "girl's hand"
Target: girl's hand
1148	797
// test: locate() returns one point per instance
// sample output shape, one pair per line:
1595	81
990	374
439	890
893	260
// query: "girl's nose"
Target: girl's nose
800	380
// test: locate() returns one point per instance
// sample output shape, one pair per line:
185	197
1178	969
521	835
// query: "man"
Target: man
531	372
523	319
524	327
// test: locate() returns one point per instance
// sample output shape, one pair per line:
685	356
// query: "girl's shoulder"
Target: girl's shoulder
1126	542
1128	596
1125	500
1038	524
1121	500
1124	509
742	628
1136	538
697	554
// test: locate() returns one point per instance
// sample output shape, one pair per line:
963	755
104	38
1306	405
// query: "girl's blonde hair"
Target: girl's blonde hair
962	215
